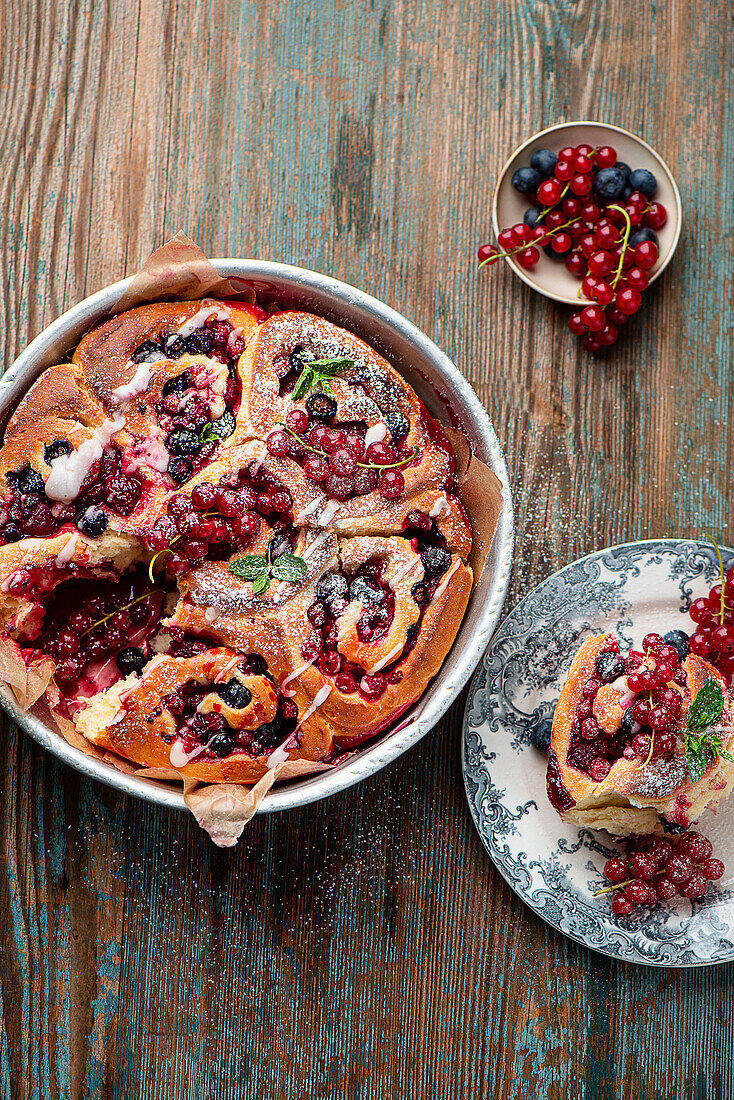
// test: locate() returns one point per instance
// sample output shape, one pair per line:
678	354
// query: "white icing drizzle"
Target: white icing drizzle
446	579
327	513
147	452
315	545
407	569
441	506
211	613
321	696
386	659
119	717
9	580
224	672
199	319
138	384
280	754
294	676
315	503
67	552
179	758
68	471
376	433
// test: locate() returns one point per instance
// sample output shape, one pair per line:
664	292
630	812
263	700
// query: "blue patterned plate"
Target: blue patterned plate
556	868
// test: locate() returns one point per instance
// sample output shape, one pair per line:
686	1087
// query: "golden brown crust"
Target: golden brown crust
101	389
634	789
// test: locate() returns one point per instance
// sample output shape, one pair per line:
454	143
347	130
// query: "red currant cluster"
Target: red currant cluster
714	619
657	870
339	458
662	708
597	216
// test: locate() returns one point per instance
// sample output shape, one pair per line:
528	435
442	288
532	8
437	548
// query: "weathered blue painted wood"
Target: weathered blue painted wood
364	947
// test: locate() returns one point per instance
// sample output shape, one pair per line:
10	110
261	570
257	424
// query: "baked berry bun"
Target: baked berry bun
628	750
227	541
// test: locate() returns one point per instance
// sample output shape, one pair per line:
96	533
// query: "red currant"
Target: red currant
656	215
561	242
646	255
621	905
601	263
549	191
616	869
628	301
562	171
581	185
605	156
576	264
608	335
529	257
594	318
576	324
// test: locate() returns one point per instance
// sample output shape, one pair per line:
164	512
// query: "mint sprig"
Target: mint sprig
699	745
207	434
318	374
259	569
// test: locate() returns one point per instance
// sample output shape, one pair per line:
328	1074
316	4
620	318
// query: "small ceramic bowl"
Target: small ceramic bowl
550	277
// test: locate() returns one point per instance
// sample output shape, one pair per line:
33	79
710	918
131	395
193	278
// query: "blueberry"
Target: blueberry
131	659
56	449
366	591
539	735
609	184
200	343
526	180
28	480
627	723
332	586
321	407
420	594
679	639
180	470
224	425
11	532
626	193
397	425
176	385
92	522
644	235
609	666
221	744
235	694
532	215
256	664
144	351
174	346
268	735
624	169
644	181
544	161
183	442
435	560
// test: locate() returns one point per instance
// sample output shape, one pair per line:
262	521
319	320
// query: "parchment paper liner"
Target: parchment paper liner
180	270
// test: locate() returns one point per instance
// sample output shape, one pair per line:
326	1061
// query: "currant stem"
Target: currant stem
625	241
621	885
715	545
500	255
116	612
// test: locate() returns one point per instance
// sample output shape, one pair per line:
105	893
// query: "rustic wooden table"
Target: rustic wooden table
363	947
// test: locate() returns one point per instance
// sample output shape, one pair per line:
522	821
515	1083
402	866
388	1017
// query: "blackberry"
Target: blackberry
176	385
397	425
183	442
300	358
28	480
257	665
321	407
144	351
180	470
131	659
55	450
366	591
671	827
224	425
235	694
420	594
609	666
200	343
174	346
627	722
221	744
331	586
435	560
92	523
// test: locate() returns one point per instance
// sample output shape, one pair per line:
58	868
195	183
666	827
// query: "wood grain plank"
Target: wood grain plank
363	947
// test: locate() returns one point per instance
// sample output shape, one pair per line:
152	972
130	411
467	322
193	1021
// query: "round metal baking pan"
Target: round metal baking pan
439	384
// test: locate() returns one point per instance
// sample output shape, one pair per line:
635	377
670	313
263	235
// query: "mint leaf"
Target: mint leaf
304	383
250	567
260	584
207	434
695	758
289	567
331	366
706	707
